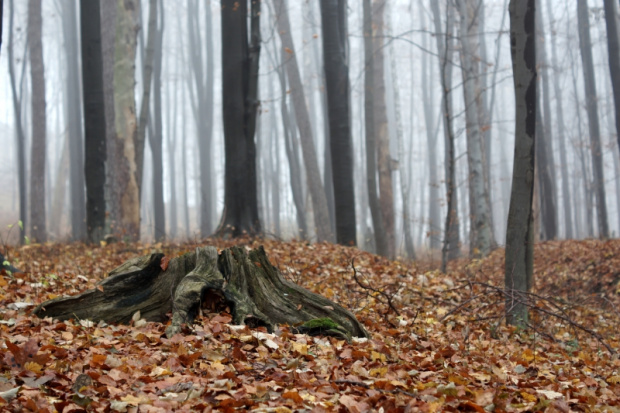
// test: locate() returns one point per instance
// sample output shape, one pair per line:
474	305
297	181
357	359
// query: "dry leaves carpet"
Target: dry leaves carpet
438	342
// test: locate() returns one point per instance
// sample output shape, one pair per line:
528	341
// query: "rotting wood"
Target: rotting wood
245	282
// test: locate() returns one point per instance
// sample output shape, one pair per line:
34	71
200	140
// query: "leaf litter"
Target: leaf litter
438	341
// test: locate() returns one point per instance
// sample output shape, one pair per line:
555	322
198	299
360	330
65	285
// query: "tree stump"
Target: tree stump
246	283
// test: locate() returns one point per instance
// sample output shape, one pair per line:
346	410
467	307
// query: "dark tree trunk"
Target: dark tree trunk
156	139
341	145
613	49
240	102
246	283
593	122
94	119
38	230
74	122
1	20
20	139
519	234
371	153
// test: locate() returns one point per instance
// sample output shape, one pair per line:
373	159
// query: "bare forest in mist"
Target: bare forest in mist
386	124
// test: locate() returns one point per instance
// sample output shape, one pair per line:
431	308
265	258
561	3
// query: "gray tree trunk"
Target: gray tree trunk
481	234
443	37
613	48
593	122
381	244
20	138
519	234
38	230
155	138
567	208
317	192
544	141
73	116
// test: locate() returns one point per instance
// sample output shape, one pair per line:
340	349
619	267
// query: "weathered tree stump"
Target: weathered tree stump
246	283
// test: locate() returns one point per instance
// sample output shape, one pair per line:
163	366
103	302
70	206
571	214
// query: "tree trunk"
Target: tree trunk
519	234
593	122
481	234
341	145
38	230
126	178
544	141
381	132
94	119
434	227
156	139
246	284
20	139
73	117
145	103
567	208
381	244
451	247
613	48
317	192
240	102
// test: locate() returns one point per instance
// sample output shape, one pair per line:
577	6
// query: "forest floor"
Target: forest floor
438	341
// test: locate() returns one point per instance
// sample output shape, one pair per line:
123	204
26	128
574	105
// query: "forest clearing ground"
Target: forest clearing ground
446	348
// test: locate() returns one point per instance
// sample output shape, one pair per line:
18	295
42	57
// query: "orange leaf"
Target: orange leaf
293	395
164	263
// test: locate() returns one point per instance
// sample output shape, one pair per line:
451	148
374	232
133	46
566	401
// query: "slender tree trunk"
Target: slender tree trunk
126	177
434	210
113	194
380	236
145	103
172	95
73	116
544	141
240	101
567	208
519	236
156	139
592	107
38	230
20	139
443	37
481	234
94	119
317	193
613	48
381	132
341	145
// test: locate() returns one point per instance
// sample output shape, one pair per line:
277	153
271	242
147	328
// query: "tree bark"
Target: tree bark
519	234
94	119
73	116
126	177
382	136
317	192
381	244
593	122
20	139
341	145
451	243
246	284
240	101
613	48
156	138
481	234
38	230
